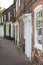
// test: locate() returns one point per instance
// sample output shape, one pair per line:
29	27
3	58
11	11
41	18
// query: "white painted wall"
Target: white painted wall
1	31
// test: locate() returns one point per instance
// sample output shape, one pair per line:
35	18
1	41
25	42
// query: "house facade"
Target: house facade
24	21
9	17
29	15
1	26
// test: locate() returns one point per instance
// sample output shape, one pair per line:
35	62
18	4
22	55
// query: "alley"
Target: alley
9	55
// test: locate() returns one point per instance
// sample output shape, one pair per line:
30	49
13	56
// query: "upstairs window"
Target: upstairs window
4	17
8	16
14	12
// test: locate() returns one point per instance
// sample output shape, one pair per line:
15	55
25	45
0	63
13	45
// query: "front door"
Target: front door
16	33
27	35
7	29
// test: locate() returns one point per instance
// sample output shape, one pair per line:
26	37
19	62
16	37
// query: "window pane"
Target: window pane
40	41
39	26
40	31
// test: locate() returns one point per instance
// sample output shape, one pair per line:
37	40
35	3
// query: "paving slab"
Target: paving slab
9	54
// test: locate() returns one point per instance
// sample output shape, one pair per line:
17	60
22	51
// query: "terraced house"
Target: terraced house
1	24
29	16
9	17
23	20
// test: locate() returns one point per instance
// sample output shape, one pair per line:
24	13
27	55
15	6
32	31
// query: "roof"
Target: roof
9	7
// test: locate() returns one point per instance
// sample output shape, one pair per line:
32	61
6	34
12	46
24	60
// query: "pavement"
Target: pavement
9	55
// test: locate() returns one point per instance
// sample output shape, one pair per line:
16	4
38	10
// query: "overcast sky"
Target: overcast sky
5	3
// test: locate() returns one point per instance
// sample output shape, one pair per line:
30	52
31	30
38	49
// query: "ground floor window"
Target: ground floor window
38	20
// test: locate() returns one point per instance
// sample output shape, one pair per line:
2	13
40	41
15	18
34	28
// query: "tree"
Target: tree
0	12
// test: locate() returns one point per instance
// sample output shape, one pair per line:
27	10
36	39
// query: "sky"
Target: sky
5	3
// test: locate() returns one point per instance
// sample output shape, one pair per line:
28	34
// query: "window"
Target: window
39	31
4	17
39	19
14	12
40	41
9	16
39	26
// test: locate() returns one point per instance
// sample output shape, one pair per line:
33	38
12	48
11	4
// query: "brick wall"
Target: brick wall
21	31
36	52
30	10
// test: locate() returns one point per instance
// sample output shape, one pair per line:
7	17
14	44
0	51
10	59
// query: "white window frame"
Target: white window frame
19	2
17	5
37	45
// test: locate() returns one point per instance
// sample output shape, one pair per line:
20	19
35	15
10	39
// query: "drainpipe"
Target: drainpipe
18	36
15	33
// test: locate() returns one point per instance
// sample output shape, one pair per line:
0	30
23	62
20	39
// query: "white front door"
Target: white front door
27	35
7	29
16	33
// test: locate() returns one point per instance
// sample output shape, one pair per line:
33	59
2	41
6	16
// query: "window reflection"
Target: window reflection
39	26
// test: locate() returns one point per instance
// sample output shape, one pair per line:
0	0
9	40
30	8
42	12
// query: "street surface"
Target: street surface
9	55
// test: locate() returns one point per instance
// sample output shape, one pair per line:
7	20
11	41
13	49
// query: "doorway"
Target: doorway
28	35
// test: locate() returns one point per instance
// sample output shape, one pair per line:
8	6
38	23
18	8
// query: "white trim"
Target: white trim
38	46
16	5
28	34
38	8
16	24
19	2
